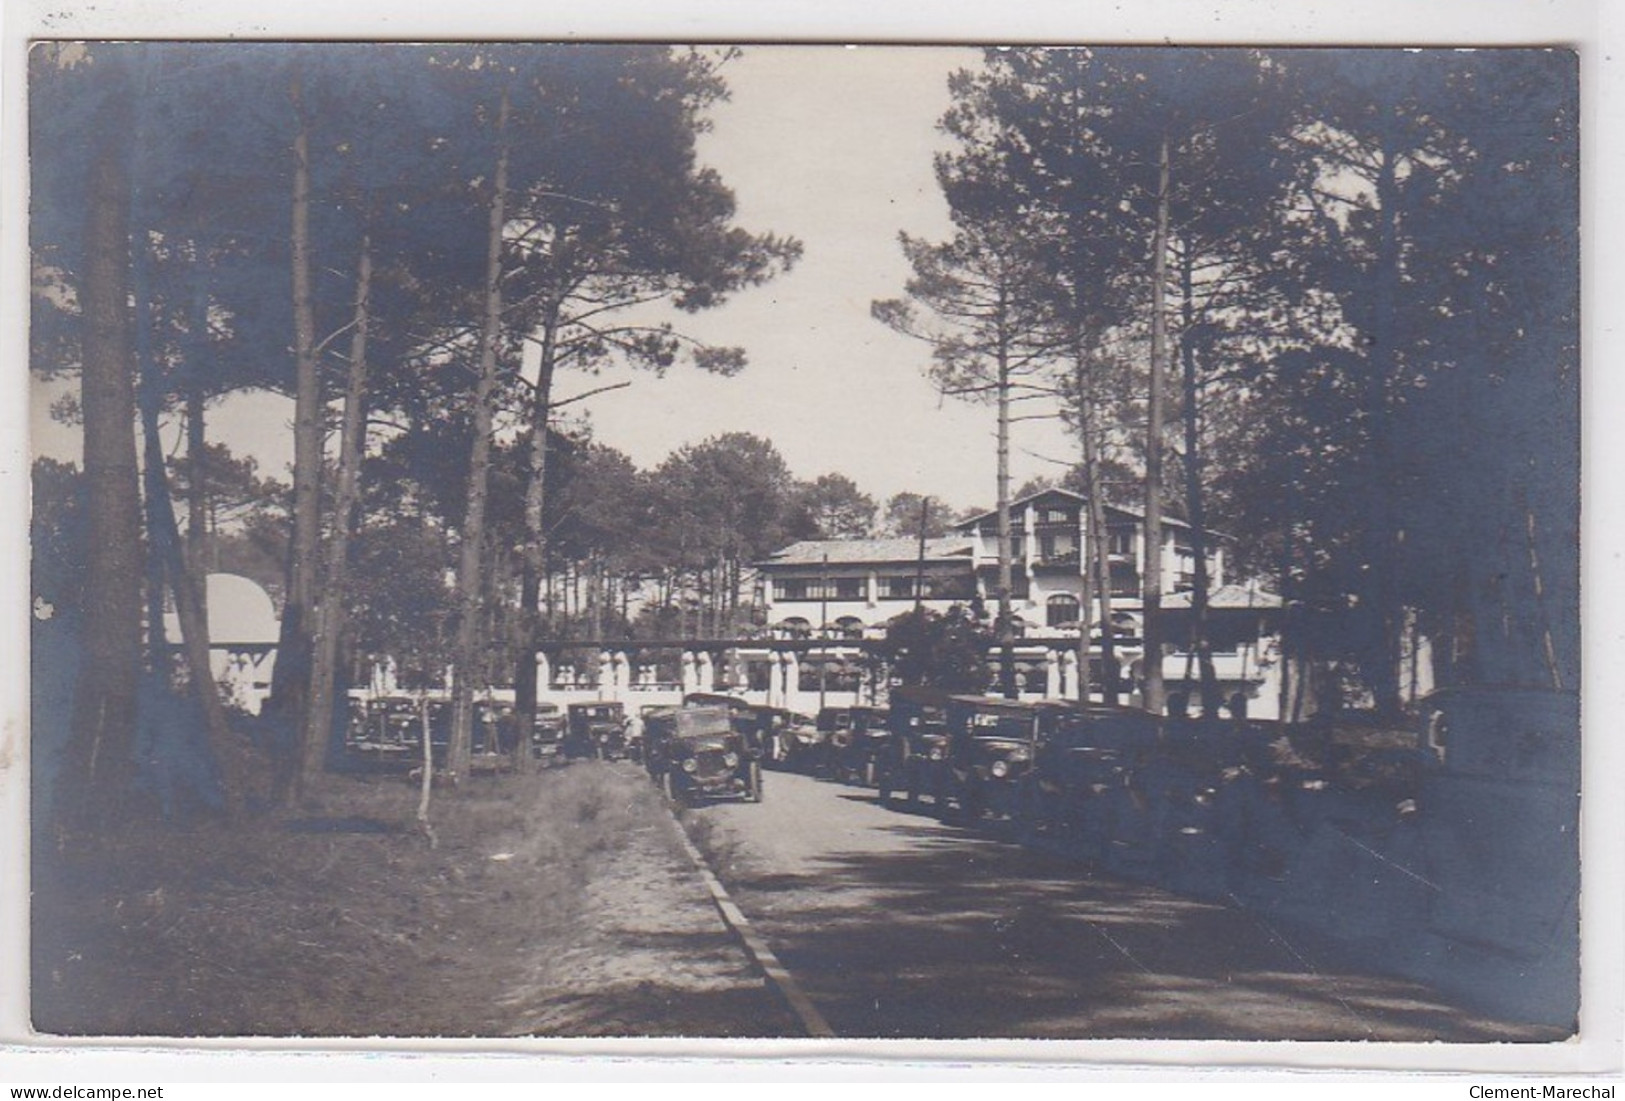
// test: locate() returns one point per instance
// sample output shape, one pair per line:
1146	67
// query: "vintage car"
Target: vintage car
697	753
656	720
991	746
856	738
752	721
597	730
386	732
547	732
915	762
1085	754
793	740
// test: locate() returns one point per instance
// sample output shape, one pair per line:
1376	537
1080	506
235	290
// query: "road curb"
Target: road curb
761	955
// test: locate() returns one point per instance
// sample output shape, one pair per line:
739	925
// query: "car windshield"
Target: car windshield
1016	727
703	722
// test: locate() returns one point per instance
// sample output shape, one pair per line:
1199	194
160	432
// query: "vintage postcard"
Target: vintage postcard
691	543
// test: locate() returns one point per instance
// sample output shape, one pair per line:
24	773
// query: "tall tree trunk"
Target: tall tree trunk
164	531
1095	546
105	692
1006	626
1151	590
197	453
1381	366
1195	504
535	558
595	597
469	587
1086	591
331	610
290	688
197	501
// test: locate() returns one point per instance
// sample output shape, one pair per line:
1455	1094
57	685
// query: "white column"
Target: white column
544	672
623	674
1070	682
792	680
1053	689
606	676
705	673
1029	537
687	675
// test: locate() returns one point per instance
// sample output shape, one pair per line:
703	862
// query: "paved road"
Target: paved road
898	926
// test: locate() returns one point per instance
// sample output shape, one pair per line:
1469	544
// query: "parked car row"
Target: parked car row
967	757
1060	766
387	732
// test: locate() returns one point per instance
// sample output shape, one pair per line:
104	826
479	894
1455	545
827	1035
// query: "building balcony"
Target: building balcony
1062	560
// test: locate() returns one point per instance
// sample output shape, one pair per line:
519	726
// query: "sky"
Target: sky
832	145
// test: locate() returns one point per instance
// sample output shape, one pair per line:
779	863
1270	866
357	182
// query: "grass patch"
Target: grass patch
340	921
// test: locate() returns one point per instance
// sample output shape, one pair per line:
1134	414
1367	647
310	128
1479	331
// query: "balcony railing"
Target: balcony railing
1059	560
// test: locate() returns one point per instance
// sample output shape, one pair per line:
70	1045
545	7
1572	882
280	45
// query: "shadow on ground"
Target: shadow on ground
950	934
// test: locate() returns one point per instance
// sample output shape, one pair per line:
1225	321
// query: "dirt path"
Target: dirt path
897	926
648	955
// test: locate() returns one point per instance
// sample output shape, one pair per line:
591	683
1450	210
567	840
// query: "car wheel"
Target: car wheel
972	805
888	794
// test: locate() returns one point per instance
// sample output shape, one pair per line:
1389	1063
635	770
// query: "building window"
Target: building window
1122	540
1057	546
812	588
1061	610
897	588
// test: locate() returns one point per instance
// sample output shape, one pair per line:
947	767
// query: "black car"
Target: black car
389	733
745	716
793	740
856	738
385	733
657	721
1084	755
697	753
991	747
547	732
914	763
597	730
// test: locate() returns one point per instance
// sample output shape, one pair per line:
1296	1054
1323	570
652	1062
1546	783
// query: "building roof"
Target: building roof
1228	598
972	522
837	552
239	612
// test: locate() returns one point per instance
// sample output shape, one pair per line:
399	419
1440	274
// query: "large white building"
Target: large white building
852	586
